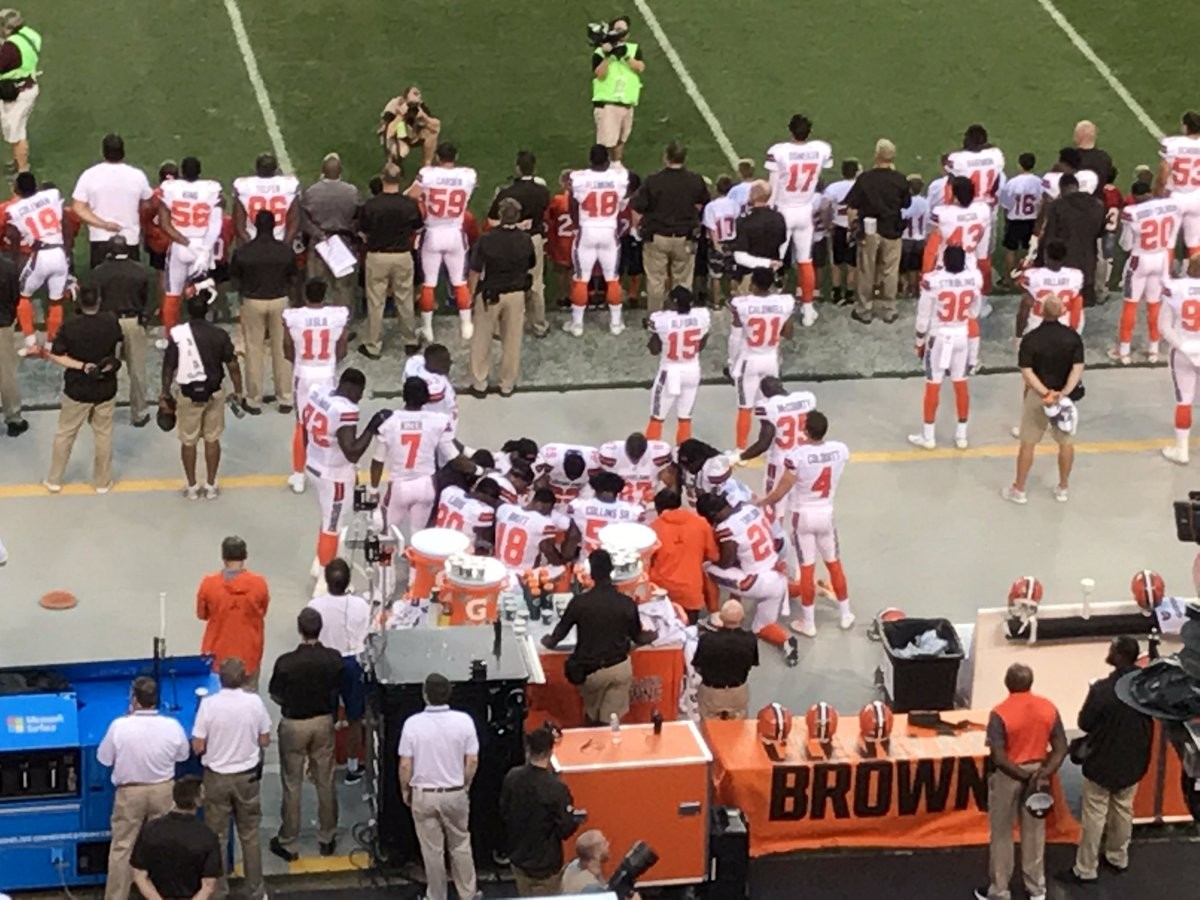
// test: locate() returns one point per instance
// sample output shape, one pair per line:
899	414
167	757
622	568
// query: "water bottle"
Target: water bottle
614	724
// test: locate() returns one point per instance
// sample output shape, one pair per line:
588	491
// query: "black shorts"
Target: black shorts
820	253
911	254
631	256
720	260
844	252
1017	233
158	261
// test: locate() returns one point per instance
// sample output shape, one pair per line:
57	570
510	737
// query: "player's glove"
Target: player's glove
378	419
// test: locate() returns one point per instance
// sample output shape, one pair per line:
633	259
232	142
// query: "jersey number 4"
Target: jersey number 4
823	483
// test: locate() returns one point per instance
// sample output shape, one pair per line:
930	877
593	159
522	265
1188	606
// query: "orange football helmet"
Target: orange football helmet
875	721
1148	590
1024	596
774	722
822	722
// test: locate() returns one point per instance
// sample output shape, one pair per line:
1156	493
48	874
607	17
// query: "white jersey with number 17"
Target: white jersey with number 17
796	171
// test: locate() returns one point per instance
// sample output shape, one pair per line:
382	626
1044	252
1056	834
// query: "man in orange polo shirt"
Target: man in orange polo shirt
234	604
686	542
1028	744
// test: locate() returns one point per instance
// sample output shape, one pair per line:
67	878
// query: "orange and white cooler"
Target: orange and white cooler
427	553
470	589
625	539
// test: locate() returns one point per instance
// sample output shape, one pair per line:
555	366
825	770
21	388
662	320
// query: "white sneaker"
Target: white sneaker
975	367
296	481
210	492
1012	495
1015	431
160	344
808	629
1151	356
1176	455
572	329
961	443
52	488
985	308
192	492
1116	355
467	329
426	333
846	622
918	440
1060	494
104	488
619	328
808	314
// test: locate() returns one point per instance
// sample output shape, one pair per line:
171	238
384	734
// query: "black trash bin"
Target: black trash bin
923	682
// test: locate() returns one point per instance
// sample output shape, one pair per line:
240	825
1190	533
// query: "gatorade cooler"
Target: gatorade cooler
470	589
427	554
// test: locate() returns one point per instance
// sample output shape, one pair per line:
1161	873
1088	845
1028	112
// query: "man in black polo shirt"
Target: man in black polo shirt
538	814
667	211
10	390
124	286
176	856
533	195
388	222
86	346
875	203
1078	220
724	658
760	239
1051	362
606	625
198	355
305	683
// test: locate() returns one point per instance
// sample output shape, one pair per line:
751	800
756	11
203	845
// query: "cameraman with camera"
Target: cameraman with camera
617	68
405	124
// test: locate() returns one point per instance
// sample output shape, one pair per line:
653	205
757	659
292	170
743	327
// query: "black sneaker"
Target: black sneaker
17	428
362	349
857	317
1109	867
142	422
284	408
354	776
982	893
328	849
1070	876
281	851
252	410
889	318
477	393
792	652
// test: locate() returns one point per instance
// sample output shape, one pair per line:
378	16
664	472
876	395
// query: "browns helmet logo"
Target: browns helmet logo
774	722
1148	590
875	722
822	722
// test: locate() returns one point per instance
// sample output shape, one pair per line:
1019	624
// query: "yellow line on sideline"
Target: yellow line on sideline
988	451
319	865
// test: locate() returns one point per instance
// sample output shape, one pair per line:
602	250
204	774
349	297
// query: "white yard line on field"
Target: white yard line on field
260	88
689	84
1102	67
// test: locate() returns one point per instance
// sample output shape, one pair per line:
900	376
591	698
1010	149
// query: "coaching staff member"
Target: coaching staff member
263	270
761	236
875	203
305	684
231	731
533	195
1051	362
111	197
198	355
124	287
724	658
233	605
389	223
439	753
606	625
329	207
86	346
667	211
538	815
1076	219
142	749
176	857
10	388
617	68
499	276
1116	754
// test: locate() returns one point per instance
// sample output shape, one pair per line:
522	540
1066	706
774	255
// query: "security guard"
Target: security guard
533	195
499	273
124	287
617	68
18	83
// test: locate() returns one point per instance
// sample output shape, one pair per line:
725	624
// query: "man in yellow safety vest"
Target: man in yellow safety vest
19	56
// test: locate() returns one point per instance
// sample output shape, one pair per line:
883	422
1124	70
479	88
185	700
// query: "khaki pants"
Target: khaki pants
307	742
262	321
389	274
508	316
1035	424
341	290
236	797
1005	804
133	353
878	261
1108	815
71	417
532	886
10	389
535	304
664	256
723	703
441	824
606	691
196	422
133	806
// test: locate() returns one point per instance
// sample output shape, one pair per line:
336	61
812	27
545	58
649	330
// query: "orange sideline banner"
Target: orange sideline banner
1159	796
657	681
927	791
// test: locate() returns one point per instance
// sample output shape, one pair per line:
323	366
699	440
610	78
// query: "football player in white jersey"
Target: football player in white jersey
1020	198
765	318
470	510
410	443
597	193
749	567
1069	161
677	335
444	190
637	460
979	162
1151	226
333	450
1180	326
950	299
314	342
843	272
266	189
603	507
781	426
795	168
1179	177
190	215
433	367
966	221
37	218
1054	279
812	473
527	537
565	469
703	468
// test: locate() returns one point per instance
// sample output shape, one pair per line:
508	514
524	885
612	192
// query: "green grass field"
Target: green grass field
169	76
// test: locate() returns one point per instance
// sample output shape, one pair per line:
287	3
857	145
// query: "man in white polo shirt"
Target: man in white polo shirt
439	753
110	197
232	728
142	748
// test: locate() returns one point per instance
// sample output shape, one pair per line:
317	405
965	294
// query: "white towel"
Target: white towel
944	348
191	366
